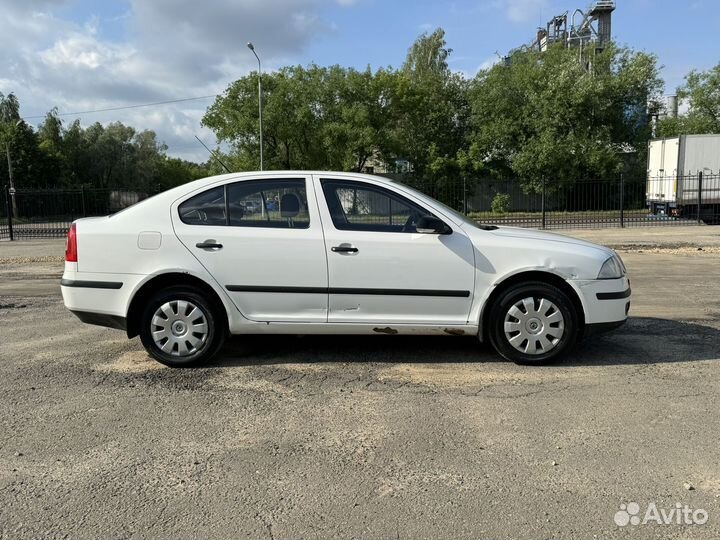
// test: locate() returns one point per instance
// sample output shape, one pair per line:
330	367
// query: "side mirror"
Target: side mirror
432	225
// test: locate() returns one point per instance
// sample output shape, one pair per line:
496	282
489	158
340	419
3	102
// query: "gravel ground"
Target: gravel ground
378	436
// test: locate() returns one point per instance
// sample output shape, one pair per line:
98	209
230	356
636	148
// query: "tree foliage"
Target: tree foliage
431	110
549	115
701	92
313	118
342	118
542	115
112	156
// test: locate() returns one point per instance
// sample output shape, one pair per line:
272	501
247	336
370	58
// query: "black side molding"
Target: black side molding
260	288
91	284
100	319
400	292
613	295
341	290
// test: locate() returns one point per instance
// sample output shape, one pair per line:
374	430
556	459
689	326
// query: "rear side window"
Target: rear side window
207	208
356	206
280	204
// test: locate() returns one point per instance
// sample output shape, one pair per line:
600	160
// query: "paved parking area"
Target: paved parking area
378	436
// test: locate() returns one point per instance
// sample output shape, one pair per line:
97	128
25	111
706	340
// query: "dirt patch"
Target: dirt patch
13	306
674	250
237	380
35	259
132	362
472	375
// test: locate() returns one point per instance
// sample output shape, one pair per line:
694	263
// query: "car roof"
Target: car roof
195	185
252	174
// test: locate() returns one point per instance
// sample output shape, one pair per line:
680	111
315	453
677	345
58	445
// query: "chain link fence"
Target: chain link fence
617	202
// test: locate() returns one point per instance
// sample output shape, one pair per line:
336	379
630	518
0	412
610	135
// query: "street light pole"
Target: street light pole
10	173
252	48
7	152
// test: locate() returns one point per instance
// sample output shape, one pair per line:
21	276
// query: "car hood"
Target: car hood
531	234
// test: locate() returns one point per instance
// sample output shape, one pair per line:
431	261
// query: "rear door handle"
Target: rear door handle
344	249
208	244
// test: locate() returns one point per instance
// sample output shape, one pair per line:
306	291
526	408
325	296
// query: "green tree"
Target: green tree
50	142
30	168
357	106
313	118
702	93
173	172
430	111
113	156
549	115
9	109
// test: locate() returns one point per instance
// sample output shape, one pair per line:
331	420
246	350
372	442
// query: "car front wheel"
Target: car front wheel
533	323
180	328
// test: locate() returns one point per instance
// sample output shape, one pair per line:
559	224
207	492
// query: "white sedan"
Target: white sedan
332	253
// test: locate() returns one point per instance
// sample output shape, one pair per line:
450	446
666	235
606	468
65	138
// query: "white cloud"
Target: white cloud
488	63
522	11
81	51
172	49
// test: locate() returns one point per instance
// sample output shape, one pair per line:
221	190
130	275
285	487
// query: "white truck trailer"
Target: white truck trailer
673	179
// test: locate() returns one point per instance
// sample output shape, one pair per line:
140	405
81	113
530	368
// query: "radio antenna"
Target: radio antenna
213	154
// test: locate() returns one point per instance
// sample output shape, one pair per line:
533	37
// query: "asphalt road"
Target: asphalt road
360	437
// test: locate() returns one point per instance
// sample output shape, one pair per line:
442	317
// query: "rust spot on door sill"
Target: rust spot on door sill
386	330
454	331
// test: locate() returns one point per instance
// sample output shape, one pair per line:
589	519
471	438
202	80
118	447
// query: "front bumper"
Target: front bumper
605	301
601	328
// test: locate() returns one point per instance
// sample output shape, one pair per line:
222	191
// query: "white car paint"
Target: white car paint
149	240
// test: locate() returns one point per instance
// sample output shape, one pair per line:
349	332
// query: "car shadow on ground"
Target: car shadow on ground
642	340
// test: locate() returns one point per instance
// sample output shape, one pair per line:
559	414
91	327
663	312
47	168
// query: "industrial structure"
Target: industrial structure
589	30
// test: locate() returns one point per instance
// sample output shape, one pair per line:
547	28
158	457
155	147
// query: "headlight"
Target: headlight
613	268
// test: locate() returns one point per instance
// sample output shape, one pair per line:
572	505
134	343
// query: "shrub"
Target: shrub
500	203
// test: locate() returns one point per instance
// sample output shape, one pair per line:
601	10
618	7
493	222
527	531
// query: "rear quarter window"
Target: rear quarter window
206	208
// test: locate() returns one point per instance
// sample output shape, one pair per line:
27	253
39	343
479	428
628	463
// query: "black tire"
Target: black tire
536	290
211	342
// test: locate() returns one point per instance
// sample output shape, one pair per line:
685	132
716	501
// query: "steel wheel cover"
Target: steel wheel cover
534	325
179	328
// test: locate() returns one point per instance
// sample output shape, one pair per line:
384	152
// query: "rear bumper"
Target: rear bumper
101	319
91	284
101	294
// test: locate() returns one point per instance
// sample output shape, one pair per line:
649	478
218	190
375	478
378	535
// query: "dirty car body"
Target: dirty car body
332	253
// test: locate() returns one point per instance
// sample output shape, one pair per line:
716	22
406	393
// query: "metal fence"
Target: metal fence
48	213
617	202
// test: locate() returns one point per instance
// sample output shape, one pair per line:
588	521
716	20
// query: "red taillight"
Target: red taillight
71	248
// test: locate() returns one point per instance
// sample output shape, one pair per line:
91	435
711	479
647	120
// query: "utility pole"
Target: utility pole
12	183
252	48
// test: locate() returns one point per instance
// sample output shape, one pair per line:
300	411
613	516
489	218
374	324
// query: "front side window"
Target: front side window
207	208
278	204
356	206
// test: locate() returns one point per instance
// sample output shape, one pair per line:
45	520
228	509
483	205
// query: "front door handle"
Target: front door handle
344	249
208	244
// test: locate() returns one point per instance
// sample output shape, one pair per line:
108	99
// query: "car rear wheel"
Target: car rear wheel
533	323
180	328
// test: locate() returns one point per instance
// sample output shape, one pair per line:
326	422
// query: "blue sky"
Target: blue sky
82	54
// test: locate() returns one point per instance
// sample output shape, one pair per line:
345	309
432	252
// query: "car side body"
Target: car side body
314	260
